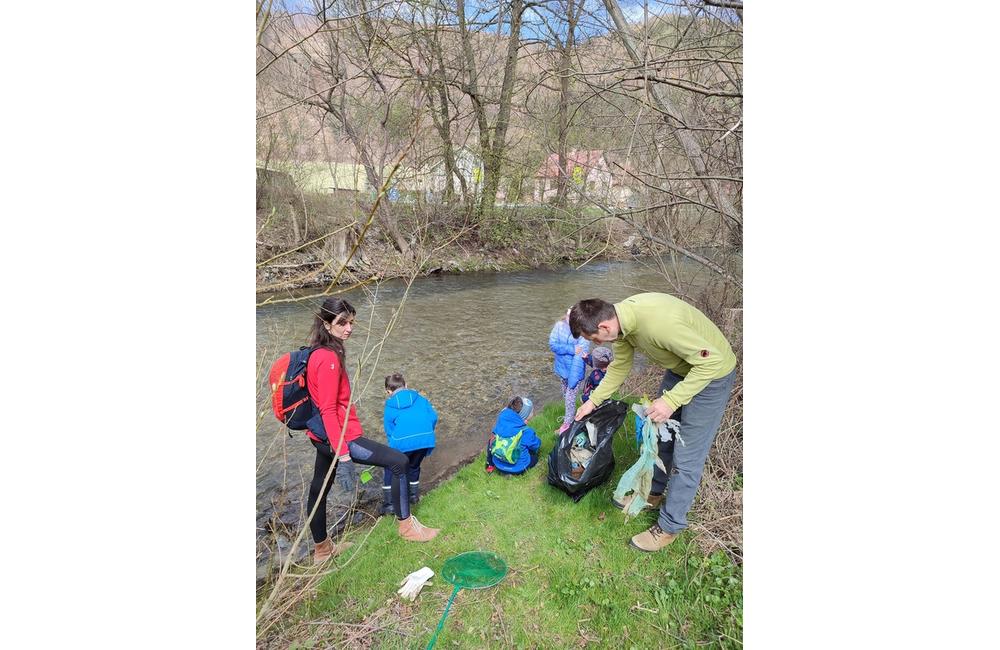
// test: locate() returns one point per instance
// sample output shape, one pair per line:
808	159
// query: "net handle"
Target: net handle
441	622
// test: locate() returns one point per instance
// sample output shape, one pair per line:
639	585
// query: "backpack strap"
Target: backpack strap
305	371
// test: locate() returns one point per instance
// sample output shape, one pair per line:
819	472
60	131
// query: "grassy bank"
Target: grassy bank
573	579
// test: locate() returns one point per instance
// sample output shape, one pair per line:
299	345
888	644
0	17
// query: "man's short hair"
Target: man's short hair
585	316
394	381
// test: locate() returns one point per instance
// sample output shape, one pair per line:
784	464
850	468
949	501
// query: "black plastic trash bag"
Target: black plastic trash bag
607	418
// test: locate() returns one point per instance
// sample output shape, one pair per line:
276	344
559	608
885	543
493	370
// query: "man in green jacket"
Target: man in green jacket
700	371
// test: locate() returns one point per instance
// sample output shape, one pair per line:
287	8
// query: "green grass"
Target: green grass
573	579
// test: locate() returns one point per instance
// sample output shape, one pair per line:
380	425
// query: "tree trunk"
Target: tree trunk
564	170
292	213
375	181
493	160
472	89
472	84
565	63
443	123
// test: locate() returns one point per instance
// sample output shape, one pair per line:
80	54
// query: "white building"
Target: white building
588	172
468	165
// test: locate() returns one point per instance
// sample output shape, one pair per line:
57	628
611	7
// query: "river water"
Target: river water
468	342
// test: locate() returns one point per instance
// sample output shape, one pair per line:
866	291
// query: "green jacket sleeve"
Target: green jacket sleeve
617	372
706	363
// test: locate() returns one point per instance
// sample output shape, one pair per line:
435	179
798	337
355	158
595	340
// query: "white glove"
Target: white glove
413	583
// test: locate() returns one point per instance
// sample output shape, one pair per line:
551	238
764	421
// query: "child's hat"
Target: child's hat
602	355
525	408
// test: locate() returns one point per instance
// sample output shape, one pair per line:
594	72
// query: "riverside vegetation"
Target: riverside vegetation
305	238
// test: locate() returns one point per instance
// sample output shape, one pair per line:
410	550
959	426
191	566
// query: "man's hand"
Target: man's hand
584	410
659	410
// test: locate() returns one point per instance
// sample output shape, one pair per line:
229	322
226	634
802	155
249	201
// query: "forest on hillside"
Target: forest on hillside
390	133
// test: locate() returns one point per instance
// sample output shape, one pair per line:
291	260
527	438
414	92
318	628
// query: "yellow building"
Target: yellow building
329	177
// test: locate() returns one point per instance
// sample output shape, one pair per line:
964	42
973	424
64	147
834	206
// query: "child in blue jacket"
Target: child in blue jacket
409	421
569	365
513	445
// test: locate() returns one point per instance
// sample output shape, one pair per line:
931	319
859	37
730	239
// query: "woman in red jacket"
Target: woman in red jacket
335	431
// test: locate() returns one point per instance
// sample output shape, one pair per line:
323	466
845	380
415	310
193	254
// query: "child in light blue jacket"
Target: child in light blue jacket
409	421
570	355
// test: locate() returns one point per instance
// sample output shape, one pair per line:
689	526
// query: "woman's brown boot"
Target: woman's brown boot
327	549
413	531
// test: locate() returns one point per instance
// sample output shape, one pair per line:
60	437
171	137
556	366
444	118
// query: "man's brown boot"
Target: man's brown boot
413	531
654	502
652	539
327	549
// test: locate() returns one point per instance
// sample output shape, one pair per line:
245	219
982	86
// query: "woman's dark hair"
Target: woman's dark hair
394	381
516	404
333	310
586	315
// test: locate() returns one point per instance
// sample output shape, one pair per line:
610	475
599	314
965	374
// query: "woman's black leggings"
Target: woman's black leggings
363	451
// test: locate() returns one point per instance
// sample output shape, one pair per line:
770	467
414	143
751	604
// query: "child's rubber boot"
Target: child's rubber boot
386	501
414	492
413	531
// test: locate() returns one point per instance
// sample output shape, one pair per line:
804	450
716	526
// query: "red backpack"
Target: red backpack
289	393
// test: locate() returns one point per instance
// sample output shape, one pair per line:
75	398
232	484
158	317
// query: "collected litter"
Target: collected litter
638	479
583	457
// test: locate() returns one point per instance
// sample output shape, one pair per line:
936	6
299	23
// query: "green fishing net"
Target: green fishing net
470	570
474	570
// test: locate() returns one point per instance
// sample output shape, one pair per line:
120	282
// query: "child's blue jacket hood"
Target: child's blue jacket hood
409	421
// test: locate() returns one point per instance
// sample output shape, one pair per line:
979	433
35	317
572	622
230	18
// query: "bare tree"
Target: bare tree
492	138
562	38
675	120
340	71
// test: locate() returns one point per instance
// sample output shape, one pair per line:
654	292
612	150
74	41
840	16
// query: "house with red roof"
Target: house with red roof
587	172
